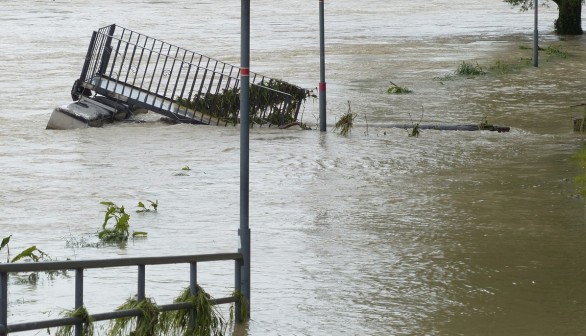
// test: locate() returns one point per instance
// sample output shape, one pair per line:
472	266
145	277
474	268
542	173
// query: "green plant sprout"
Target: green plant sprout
415	131
142	208
396	89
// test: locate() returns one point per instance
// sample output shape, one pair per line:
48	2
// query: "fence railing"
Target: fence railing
145	72
81	265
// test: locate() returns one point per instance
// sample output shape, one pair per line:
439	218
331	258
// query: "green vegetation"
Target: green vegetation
32	254
501	67
469	70
120	230
580	157
415	131
396	89
151	208
88	323
270	103
242	305
208	318
145	325
346	122
557	51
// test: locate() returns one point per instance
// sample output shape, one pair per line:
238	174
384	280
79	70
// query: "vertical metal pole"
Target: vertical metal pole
192	290
237	276
322	69
536	35
78	297
4	302
244	231
141	293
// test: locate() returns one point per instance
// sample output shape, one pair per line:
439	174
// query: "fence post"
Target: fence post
192	291
78	297
140	295
3	303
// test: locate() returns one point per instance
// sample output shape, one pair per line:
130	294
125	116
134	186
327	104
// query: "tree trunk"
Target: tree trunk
569	21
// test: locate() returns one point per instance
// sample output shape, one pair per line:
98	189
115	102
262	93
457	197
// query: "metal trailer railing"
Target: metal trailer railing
148	73
80	266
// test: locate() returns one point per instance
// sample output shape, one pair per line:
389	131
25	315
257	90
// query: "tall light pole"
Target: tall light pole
244	231
322	69
536	36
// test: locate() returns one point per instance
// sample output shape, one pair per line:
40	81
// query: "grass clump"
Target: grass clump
346	122
557	51
144	325
204	319
88	323
469	69
502	67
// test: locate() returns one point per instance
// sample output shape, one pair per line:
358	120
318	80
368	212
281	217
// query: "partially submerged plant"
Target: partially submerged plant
483	123
144	325
396	89
151	208
345	123
88	323
502	68
415	130
469	69
554	50
120	230
208	318
4	244
32	254
445	78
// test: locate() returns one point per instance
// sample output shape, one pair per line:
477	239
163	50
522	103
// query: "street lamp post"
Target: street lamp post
536	36
244	231
322	69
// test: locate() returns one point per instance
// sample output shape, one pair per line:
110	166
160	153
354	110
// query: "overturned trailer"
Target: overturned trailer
125	71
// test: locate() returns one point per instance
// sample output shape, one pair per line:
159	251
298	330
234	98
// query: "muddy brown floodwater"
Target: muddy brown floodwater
377	233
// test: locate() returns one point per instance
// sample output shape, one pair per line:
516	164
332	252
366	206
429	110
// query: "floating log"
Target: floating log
462	127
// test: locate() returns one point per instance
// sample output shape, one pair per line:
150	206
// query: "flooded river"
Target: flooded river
377	233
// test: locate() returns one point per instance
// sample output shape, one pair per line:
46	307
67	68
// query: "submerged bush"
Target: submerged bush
469	69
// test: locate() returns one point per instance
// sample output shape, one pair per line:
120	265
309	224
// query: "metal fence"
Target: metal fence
145	72
80	266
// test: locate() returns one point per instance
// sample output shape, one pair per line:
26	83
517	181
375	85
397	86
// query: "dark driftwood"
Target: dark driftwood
464	127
